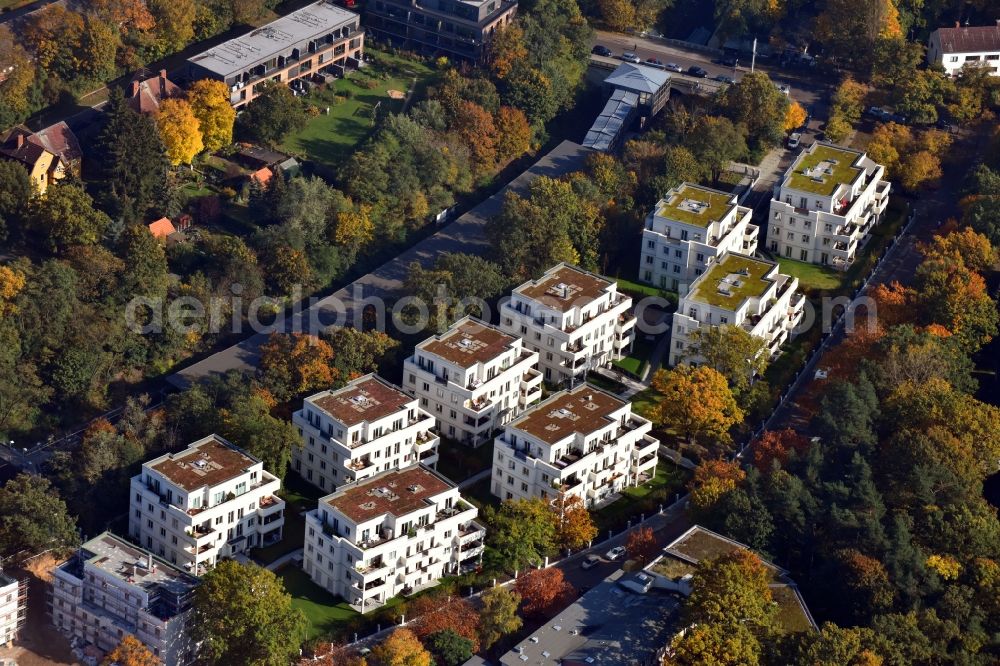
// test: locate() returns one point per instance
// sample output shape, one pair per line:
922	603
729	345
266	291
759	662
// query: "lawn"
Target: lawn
299	497
354	107
635	363
645	499
458	461
479	494
326	613
812	277
602	382
644	402
637	289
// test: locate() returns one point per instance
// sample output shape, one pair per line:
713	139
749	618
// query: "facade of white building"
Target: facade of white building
574	319
975	46
738	291
110	589
687	230
394	533
355	432
582	442
826	205
13	607
210	500
473	378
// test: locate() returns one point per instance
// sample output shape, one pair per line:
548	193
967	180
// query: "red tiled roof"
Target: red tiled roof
970	39
146	94
262	176
161	228
30	150
59	140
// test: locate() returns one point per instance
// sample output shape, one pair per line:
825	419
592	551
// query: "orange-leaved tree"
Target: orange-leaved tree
434	612
542	590
712	479
130	652
574	525
296	363
775	445
697	403
402	648
641	544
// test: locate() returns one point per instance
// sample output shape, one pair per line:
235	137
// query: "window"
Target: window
698	271
679	345
649	259
804	255
952	58
993	56
972	58
651	244
678	254
788	250
648	276
805	238
723	320
828	228
790	236
700	257
684	235
677	269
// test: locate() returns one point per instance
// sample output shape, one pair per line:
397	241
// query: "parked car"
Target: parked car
794	140
876	112
591	562
697	72
783	87
632	57
730	61
654	62
674	67
601	51
616	553
722	78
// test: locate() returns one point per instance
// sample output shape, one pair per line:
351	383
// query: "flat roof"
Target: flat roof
396	492
695	205
367	398
607	626
207	462
823	168
241	52
564	287
135	565
732	280
583	410
468	342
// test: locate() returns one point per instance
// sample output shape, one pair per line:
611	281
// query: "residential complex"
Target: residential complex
110	589
354	432
575	320
740	291
976	46
210	500
395	533
300	44
453	28
826	205
583	442
690	227
13	607
474	378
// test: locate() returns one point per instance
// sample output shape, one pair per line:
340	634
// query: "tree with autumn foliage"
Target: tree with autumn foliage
543	591
730	590
209	100
401	648
475	126
954	296
513	134
696	403
964	246
641	544
776	446
438	612
498	615
506	49
712	480
731	350
866	582
854	29
618	14
574	525
354	228
715	645
130	652
795	116
295	364
180	130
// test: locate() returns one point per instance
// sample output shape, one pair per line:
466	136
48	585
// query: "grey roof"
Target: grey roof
970	39
607	626
638	78
613	119
241	53
131	564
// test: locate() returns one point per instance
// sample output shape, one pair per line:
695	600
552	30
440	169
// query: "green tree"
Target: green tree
733	352
272	115
249	424
33	517
360	352
715	645
498	616
848	413
98	46
756	104
456	286
449	648
145	271
530	90
242	615
731	590
66	216
15	191
174	23
522	532
715	143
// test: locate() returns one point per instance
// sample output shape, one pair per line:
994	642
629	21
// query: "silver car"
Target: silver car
591	562
616	553
631	56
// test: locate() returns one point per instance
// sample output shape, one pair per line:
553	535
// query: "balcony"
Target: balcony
375	567
625	322
426	437
567	459
531	380
480	404
361	465
270	504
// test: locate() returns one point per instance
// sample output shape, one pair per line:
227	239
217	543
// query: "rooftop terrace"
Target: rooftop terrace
469	342
695	205
565	287
396	492
134	565
823	168
367	398
583	410
207	462
731	281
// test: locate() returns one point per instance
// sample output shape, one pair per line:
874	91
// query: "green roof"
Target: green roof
838	161
695	205
743	276
790	614
672	567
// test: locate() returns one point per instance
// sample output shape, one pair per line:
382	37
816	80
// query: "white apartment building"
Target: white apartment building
354	432
739	291
394	533
583	442
826	205
975	46
210	500
689	227
13	607
473	379
573	319
110	588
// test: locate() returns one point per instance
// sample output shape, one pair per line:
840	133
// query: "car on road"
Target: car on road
877	112
601	51
632	57
616	553
794	140
783	87
674	67
655	62
697	72
730	61
591	562
722	78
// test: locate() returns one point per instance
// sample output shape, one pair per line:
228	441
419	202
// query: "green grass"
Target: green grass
843	171
330	138
753	285
718	204
636	362
812	277
325	613
479	494
299	497
637	289
645	499
458	461
644	402
602	382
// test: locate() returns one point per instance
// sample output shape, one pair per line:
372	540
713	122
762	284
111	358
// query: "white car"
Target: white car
630	56
591	562
794	140
783	87
616	553
674	67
